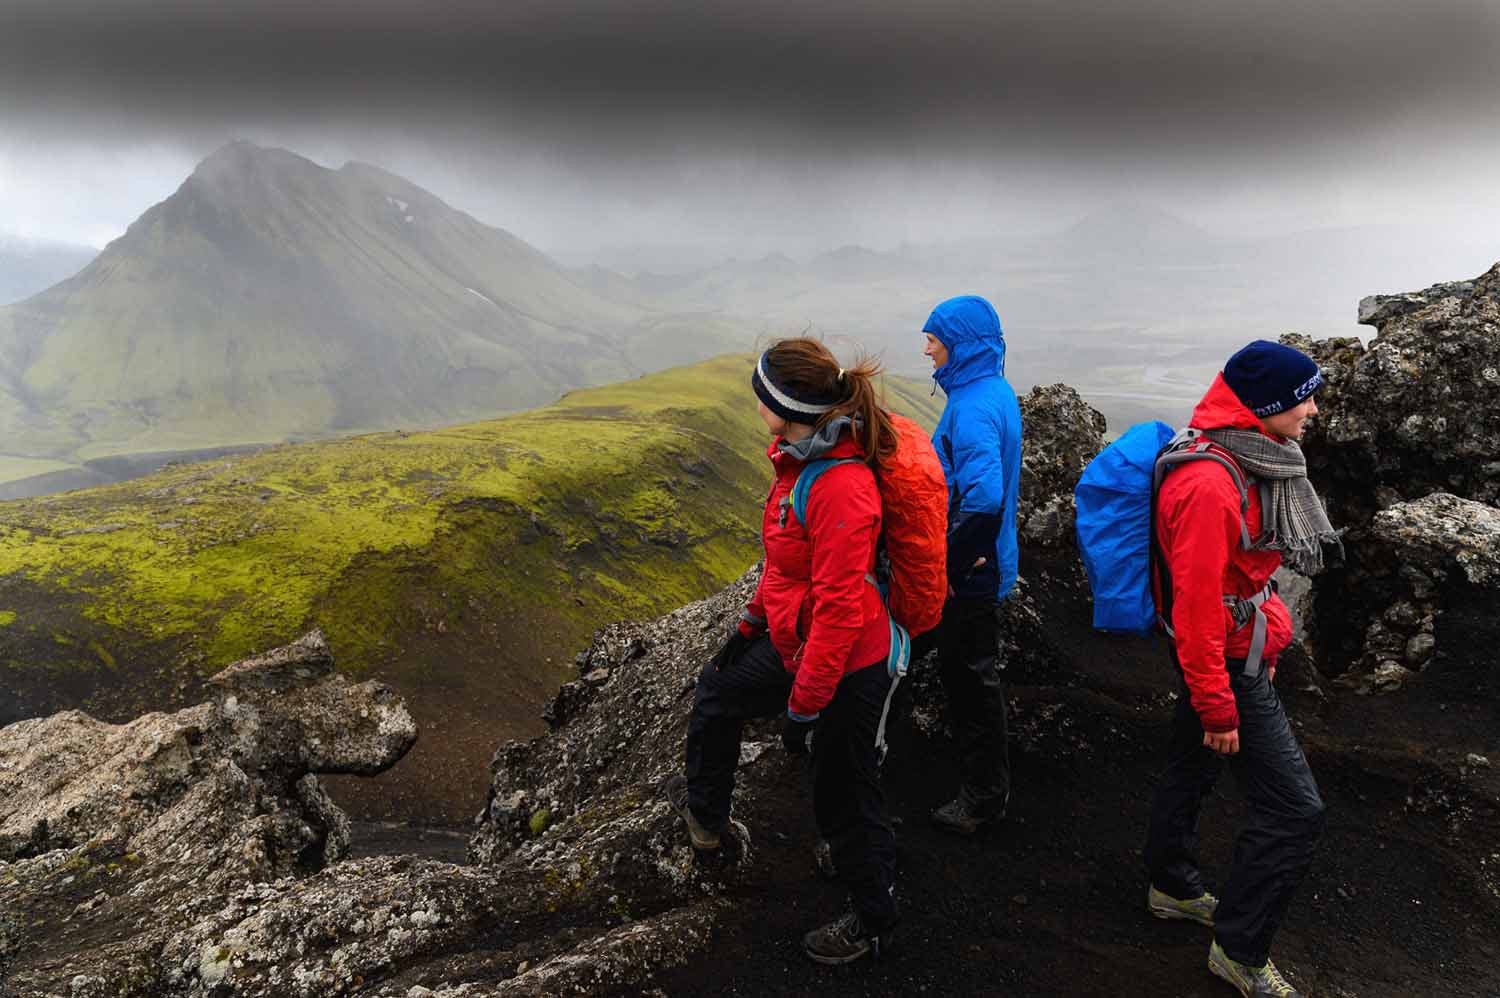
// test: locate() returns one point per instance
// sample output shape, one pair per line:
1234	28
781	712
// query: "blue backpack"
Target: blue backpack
1116	522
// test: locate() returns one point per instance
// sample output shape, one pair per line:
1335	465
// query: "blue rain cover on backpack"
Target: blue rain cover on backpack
1114	528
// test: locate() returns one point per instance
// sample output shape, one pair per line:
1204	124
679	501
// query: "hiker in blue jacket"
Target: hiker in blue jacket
978	440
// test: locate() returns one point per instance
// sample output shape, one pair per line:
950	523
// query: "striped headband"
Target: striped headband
779	399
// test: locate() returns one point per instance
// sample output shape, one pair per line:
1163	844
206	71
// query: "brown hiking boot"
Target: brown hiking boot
959	817
843	940
676	791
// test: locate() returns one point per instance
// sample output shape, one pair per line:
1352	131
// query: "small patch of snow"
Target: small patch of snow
400	205
478	295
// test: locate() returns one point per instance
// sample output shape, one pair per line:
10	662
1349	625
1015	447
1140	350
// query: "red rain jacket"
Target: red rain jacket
824	616
1198	524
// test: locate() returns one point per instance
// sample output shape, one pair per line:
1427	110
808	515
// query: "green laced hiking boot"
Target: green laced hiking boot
1199	909
843	940
1249	981
676	791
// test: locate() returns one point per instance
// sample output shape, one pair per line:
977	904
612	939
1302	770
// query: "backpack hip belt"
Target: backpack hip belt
1244	610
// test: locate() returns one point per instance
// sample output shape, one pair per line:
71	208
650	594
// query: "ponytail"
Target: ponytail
807	365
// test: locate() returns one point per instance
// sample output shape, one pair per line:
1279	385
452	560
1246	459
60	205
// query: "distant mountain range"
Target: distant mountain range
30	265
270	298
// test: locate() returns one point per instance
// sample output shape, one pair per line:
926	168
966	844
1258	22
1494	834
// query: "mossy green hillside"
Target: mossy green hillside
466	564
620	501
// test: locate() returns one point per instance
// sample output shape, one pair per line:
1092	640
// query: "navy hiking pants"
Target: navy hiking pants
1275	848
848	800
968	647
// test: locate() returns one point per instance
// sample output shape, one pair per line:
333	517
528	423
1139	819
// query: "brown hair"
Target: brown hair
811	370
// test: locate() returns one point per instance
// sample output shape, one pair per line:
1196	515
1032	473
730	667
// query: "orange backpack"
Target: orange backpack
914	500
913	572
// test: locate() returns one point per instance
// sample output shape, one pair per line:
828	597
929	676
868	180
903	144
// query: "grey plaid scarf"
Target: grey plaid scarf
1293	520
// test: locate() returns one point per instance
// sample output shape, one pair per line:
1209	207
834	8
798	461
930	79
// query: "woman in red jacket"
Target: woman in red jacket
814	642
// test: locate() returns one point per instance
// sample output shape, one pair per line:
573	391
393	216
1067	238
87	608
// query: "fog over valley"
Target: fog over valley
1138	188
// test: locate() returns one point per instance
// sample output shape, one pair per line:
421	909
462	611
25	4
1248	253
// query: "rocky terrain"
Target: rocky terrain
193	854
1406	450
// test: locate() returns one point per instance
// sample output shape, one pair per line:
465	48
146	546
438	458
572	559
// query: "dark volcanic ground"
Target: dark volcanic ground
1403	899
1053	902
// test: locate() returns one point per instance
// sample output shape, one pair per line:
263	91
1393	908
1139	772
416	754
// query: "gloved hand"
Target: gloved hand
730	653
797	735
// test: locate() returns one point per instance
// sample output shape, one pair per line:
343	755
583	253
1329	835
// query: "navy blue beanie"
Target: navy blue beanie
1271	378
792	405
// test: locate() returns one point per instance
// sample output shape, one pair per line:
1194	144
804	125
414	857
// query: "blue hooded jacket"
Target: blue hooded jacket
978	441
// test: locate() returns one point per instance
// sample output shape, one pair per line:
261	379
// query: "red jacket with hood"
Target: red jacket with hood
1198	525
824	616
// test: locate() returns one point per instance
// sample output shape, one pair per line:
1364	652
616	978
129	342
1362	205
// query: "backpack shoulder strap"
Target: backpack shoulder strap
1190	445
1187	446
806	478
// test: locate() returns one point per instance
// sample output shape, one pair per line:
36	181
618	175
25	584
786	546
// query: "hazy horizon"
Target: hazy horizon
1303	156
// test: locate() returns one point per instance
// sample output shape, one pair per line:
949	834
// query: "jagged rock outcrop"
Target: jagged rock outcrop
1406	452
1412	559
1418	410
1062	435
134	830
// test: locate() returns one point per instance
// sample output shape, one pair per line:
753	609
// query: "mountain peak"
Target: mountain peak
1134	227
242	154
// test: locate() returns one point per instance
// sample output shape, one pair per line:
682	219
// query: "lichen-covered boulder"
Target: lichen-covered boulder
1418	410
1413	414
1404	567
143	825
1060	435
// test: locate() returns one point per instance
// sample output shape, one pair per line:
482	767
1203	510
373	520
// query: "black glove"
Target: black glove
731	651
970	537
797	735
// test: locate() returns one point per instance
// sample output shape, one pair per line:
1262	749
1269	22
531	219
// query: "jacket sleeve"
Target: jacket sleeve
978	477
752	623
1203	523
843	515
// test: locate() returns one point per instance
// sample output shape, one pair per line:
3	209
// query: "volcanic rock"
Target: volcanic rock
141	828
1062	435
1418	410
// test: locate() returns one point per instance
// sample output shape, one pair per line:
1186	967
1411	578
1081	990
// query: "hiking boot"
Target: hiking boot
843	940
1199	909
1249	981
959	817
676	790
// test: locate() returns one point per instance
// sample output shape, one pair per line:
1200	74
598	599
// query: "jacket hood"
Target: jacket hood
829	440
1220	409
969	328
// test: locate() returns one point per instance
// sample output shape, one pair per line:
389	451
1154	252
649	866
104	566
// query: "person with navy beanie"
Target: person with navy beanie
978	440
1271	378
1218	547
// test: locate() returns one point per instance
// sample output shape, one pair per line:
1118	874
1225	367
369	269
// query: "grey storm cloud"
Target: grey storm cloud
956	77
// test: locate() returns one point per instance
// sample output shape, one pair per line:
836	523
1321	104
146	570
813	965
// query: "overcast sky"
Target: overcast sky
749	126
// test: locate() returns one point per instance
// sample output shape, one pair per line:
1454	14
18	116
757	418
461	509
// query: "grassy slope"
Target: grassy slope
464	565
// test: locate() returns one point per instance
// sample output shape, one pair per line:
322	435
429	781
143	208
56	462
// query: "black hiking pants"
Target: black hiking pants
848	800
1273	851
968	647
